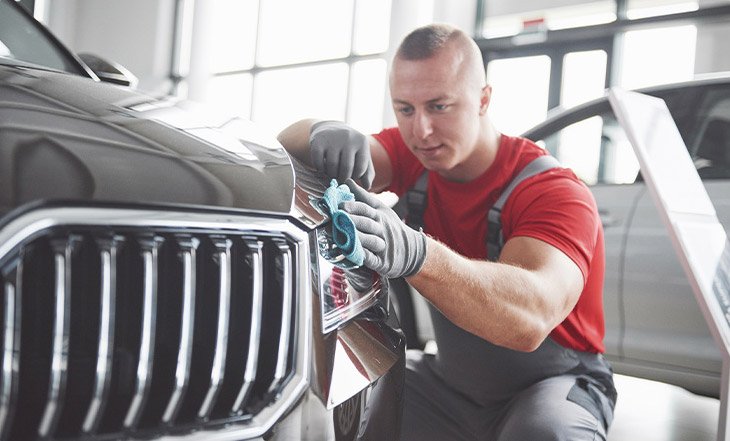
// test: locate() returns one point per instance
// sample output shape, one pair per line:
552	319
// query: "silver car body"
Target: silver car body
654	327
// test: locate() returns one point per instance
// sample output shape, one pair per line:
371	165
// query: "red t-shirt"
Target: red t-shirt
554	207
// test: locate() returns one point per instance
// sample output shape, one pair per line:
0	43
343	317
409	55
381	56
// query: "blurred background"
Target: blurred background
276	61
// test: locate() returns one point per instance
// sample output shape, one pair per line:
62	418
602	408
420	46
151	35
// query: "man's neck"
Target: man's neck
481	159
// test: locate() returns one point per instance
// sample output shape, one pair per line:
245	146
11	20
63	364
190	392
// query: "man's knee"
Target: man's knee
550	426
544	412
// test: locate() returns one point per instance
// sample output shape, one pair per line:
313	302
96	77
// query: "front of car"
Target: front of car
163	273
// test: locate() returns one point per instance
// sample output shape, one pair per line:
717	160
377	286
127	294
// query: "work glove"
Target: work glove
391	248
341	152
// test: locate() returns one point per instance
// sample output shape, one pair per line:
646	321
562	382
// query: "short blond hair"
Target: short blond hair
425	41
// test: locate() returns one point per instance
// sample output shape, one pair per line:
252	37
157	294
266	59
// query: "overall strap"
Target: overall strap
416	201
495	239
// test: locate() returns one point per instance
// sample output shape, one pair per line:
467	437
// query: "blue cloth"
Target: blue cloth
344	234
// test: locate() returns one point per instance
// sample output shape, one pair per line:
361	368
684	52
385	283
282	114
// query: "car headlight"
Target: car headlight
344	292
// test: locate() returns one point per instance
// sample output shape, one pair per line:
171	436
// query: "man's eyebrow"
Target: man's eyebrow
432	100
439	98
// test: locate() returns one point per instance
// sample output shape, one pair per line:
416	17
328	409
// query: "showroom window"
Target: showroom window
520	92
320	59
521	85
597	150
584	76
566	52
658	56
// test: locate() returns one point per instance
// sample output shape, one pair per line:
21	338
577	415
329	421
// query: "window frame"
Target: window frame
607	37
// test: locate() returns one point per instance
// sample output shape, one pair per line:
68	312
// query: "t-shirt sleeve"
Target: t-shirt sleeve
565	216
406	167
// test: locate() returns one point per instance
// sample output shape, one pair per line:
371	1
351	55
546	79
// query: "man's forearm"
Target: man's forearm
504	304
295	140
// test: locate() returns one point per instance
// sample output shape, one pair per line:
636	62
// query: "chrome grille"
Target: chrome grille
130	323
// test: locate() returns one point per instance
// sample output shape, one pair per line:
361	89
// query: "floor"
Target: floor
651	411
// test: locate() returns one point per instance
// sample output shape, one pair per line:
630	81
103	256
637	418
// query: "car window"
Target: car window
597	150
711	147
23	41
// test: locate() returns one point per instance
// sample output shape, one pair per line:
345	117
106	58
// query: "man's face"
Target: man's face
438	107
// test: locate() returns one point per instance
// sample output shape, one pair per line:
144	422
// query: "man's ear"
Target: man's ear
485	99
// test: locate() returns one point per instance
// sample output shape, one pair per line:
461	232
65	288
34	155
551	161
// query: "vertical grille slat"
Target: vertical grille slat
188	247
150	248
62	250
138	324
13	293
223	255
256	249
108	258
286	308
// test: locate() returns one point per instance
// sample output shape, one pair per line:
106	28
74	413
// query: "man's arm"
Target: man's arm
296	140
514	303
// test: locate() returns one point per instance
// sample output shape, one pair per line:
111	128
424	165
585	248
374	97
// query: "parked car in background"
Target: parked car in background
162	273
654	326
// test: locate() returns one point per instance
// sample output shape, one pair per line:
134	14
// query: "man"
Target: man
519	340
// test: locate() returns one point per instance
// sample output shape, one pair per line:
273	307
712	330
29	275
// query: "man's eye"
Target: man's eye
440	107
406	110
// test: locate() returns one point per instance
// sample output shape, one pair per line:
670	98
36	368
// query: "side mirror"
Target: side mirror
109	71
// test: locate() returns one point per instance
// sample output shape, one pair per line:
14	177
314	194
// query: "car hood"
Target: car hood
65	137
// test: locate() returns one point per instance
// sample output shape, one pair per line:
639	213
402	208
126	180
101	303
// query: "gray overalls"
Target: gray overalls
474	390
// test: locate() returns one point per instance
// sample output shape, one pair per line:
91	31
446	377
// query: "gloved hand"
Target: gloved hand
341	152
391	248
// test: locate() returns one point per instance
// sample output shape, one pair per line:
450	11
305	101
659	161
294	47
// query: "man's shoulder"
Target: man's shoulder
521	143
515	155
555	187
389	137
517	152
557	182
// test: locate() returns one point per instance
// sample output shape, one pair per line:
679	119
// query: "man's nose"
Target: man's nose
422	127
